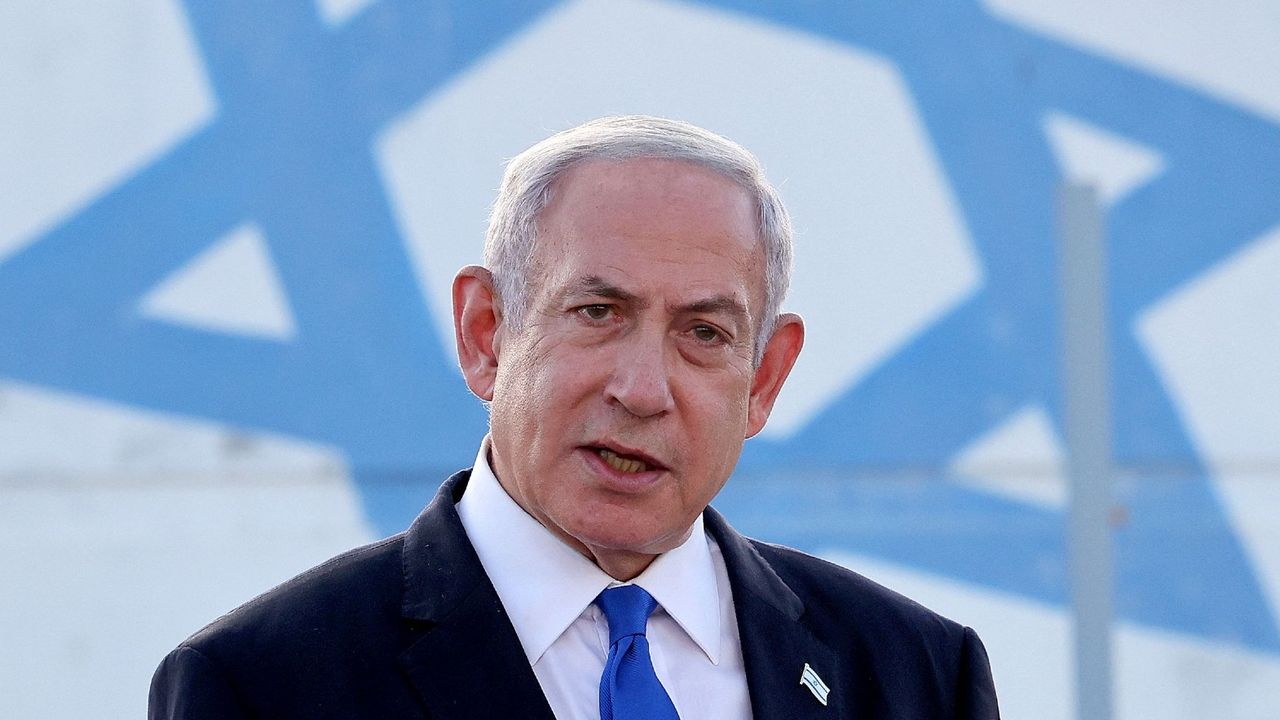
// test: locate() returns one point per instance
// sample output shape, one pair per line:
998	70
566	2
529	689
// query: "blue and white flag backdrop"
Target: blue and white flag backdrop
227	232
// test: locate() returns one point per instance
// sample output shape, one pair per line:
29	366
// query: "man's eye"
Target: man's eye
706	333
594	312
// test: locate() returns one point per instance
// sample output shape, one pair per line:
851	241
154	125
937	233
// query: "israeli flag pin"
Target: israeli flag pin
810	679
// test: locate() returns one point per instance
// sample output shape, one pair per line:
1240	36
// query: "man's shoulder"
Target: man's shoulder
329	642
323	644
839	597
362	587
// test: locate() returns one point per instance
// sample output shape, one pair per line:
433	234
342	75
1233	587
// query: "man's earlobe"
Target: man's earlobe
780	355
477	321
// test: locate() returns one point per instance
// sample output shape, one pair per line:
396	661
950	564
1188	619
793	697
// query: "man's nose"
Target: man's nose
641	381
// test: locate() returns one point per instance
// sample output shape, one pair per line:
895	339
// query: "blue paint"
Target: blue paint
298	108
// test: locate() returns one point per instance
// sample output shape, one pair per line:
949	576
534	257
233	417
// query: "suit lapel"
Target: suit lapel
465	659
777	643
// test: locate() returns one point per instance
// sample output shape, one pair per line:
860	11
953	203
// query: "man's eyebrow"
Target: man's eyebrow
719	304
597	286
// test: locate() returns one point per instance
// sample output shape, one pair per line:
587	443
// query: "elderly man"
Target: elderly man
626	332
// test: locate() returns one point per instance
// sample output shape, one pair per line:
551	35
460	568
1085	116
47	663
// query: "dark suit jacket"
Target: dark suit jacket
411	627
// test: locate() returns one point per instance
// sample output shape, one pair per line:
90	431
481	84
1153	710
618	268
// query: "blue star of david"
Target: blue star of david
290	149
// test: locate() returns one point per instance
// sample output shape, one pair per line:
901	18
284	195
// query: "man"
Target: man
627	336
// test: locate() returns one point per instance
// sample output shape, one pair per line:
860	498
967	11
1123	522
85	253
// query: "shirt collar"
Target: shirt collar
519	554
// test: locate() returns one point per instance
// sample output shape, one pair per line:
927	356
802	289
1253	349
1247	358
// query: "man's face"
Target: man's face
620	407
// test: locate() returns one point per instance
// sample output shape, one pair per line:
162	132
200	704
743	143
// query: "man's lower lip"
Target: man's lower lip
617	479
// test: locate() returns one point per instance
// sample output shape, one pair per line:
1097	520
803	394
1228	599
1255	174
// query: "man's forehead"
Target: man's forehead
728	299
560	273
607	185
647	224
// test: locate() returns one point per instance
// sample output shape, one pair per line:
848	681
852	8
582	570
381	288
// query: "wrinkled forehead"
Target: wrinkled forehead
651	211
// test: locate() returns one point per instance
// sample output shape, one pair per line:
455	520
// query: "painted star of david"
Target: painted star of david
290	150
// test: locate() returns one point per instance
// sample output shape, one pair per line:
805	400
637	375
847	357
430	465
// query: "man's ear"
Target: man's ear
779	355
477	319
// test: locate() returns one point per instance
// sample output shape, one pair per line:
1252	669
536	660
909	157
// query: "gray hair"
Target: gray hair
528	186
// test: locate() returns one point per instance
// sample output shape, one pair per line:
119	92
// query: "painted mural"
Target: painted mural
227	232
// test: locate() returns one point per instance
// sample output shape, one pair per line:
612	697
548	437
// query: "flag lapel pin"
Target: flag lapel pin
810	679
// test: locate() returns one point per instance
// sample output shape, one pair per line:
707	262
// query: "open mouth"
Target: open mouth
623	463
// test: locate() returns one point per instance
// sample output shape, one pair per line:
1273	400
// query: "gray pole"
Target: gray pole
1087	433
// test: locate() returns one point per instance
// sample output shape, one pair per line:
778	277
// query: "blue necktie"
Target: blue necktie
629	689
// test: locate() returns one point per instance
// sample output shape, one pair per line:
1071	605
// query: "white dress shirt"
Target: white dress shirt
548	587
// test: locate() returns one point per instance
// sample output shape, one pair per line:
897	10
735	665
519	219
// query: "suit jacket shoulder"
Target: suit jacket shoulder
406	627
264	658
879	654
834	593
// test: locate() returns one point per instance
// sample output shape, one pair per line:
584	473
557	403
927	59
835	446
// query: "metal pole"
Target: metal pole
1087	433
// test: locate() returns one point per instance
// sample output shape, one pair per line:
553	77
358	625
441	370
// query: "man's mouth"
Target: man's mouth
622	463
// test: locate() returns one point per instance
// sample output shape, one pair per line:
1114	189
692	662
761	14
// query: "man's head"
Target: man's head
627	332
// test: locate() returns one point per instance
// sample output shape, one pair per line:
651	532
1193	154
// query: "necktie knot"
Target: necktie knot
627	608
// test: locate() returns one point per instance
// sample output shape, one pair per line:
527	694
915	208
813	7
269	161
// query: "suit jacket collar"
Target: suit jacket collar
465	660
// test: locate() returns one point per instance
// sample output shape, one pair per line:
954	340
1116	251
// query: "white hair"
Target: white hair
530	178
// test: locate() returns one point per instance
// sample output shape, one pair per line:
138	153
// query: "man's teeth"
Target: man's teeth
621	464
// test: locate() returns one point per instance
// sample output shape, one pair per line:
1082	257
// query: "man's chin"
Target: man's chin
622	542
